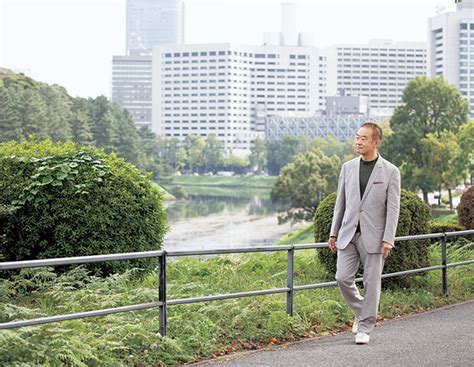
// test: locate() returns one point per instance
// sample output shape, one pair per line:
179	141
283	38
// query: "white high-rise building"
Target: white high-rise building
228	90
451	48
379	70
131	86
153	22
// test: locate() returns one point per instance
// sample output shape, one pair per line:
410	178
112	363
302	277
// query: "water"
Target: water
224	217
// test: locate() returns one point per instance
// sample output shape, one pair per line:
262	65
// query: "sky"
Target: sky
71	42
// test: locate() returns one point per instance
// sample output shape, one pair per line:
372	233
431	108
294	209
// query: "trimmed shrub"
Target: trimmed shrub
414	219
60	200
466	209
439	227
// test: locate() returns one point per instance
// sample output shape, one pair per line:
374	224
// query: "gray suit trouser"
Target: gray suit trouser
365	308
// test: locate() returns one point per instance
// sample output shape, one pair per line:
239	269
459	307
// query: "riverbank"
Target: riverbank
196	331
262	182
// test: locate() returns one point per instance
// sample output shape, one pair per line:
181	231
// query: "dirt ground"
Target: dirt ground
226	230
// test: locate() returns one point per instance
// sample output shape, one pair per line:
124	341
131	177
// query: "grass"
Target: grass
196	331
265	182
448	218
302	235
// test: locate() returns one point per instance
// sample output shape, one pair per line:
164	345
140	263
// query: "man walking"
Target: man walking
364	225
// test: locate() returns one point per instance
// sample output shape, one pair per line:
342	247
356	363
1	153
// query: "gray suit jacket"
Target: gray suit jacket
377	211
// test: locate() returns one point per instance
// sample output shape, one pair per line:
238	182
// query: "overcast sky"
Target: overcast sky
71	42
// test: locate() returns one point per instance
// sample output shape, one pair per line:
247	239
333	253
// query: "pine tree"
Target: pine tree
32	113
58	112
10	126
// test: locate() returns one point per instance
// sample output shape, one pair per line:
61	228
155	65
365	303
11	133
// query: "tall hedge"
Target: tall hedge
59	200
466	209
414	219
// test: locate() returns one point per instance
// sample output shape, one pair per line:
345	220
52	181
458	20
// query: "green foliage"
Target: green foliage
414	219
64	200
442	227
304	182
281	152
429	106
466	209
195	331
213	154
236	164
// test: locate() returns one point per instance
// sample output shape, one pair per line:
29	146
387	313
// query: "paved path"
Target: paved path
442	337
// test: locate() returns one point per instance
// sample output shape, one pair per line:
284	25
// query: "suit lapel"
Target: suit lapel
356	168
375	173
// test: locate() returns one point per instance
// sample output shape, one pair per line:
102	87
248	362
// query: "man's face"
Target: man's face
365	143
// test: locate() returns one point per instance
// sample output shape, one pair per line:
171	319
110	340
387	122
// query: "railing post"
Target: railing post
290	293
162	293
444	261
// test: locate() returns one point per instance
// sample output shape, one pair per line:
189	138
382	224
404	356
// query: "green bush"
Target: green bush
439	227
60	200
414	219
466	209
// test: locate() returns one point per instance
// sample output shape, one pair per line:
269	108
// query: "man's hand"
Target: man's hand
386	249
332	244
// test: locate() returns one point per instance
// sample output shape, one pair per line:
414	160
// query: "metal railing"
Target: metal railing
162	256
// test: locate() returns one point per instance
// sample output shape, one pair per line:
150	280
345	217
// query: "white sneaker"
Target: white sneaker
362	338
355	325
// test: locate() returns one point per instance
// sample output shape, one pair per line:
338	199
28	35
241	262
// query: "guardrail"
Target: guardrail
162	256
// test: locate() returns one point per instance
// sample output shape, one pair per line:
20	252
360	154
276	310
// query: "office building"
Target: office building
228	90
451	48
131	86
149	23
153	22
347	106
379	70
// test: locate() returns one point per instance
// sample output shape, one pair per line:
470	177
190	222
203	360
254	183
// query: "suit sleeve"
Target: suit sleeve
340	204
393	207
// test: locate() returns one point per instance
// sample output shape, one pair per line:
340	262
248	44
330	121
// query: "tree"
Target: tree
447	159
213	153
330	146
194	146
235	163
258	155
281	152
172	153
32	113
466	143
102	122
80	128
303	183
126	139
10	124
429	106
58	112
